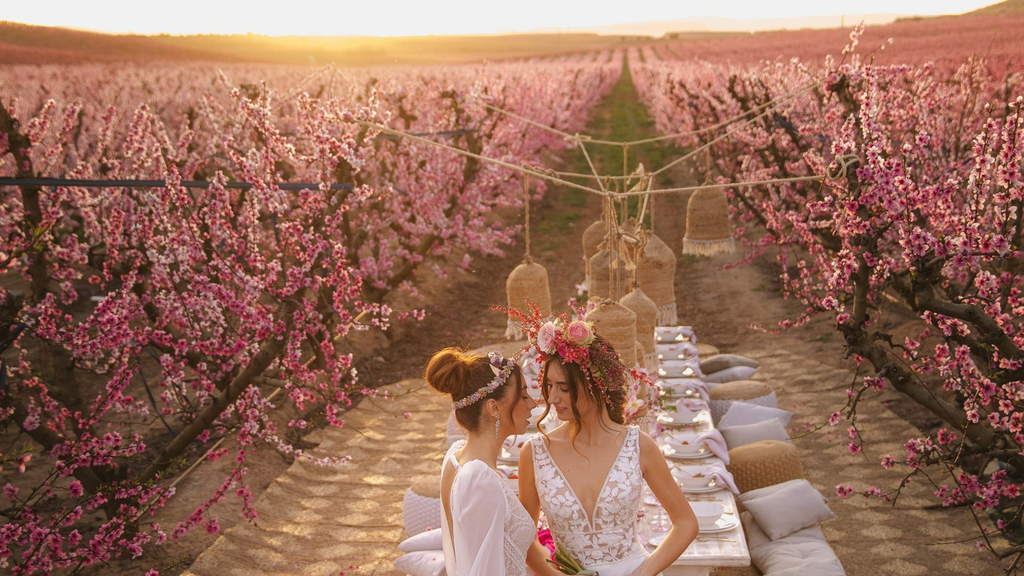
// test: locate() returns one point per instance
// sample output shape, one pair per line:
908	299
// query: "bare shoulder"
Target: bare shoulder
648	447
526	452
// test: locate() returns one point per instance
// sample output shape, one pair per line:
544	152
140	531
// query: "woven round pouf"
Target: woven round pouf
706	350
750	391
421	507
764	463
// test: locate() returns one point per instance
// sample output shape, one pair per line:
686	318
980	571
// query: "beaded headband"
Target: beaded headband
502	368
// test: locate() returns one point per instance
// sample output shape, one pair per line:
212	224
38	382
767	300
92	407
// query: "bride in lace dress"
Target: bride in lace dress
486	531
588	473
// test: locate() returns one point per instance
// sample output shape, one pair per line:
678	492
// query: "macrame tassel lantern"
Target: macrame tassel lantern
646	319
616	324
707	224
528	281
592	238
609	275
656	274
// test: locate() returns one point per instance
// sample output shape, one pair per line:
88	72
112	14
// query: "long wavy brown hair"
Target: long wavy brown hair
612	395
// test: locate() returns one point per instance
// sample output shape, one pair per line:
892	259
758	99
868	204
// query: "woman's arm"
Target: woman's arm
684	523
478	521
537	556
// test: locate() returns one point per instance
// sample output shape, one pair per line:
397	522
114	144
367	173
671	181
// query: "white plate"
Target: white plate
724	524
673	422
712	488
670	453
508	459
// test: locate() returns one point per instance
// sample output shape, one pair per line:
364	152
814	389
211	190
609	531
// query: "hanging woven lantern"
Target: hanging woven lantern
707	224
616	324
528	281
646	317
609	275
592	238
656	274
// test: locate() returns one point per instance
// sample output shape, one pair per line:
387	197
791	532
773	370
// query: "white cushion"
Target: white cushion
722	361
423	563
788	509
755	536
740	434
801	553
798	558
740	413
730	374
429	540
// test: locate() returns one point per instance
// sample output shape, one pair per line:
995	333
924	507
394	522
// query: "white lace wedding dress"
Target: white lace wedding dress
609	540
491	531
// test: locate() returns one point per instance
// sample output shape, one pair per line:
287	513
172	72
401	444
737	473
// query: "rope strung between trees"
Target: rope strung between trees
816	177
723	136
546	174
542	174
770	103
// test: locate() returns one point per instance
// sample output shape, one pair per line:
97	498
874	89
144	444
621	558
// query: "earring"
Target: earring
497	423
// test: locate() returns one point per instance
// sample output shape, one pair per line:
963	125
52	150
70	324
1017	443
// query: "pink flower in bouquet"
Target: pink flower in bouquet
547	334
545	538
580	333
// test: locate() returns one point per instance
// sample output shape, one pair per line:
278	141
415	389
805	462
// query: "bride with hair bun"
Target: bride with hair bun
485	530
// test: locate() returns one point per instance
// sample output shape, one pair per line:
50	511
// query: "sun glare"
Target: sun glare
417	17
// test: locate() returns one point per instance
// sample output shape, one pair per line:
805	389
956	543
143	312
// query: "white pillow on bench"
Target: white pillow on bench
730	374
802	553
784	508
429	540
771	429
740	413
422	563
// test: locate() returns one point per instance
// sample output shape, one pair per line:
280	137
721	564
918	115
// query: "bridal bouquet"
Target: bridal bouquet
566	564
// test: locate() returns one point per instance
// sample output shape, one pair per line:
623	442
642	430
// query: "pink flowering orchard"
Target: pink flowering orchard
911	208
136	323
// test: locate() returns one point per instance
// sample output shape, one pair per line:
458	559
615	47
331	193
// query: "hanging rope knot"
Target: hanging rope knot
578	139
843	165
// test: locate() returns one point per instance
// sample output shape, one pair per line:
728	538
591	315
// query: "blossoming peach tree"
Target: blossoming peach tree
138	322
915	214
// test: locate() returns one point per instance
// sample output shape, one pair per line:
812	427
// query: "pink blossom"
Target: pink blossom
546	337
580	333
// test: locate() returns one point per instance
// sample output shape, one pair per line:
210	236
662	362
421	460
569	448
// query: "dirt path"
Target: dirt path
348	519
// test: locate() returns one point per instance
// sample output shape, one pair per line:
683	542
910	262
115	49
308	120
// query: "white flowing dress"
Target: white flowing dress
491	531
609	541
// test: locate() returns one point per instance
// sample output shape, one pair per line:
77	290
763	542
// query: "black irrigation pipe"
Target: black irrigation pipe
87	183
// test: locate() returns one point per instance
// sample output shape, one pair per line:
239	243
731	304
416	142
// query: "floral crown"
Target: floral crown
502	368
573	341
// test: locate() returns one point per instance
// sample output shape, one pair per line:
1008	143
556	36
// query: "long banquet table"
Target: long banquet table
724	548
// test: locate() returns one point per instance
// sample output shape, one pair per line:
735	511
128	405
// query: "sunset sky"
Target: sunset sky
425	17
